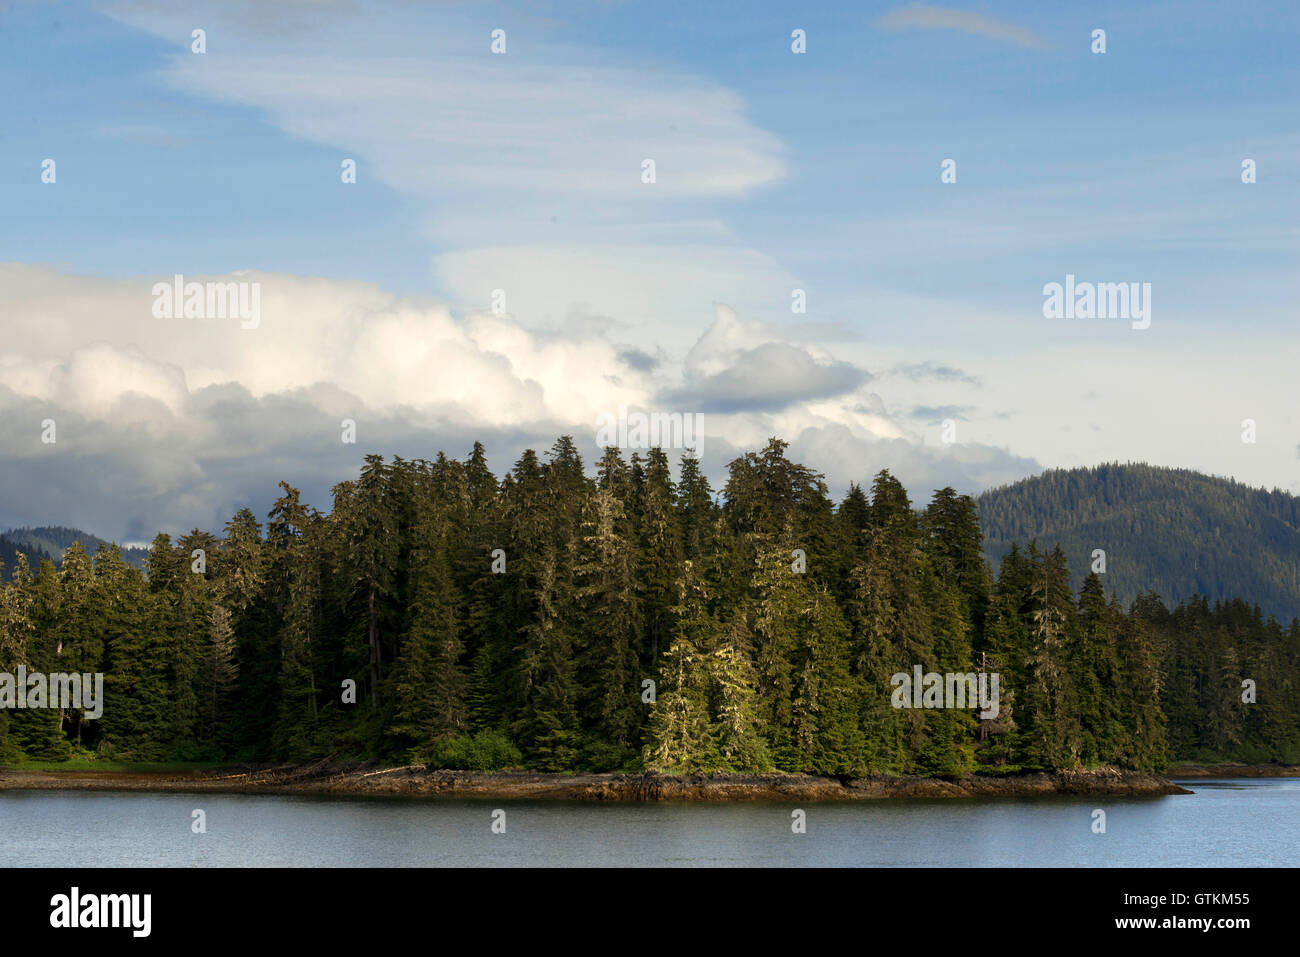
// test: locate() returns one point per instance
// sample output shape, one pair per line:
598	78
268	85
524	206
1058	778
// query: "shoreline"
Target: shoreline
1234	771
419	781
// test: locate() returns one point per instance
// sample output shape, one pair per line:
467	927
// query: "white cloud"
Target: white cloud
922	16
386	352
174	423
439	127
528	167
656	291
543	145
738	366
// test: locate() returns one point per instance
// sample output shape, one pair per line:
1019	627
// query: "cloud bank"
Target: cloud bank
175	423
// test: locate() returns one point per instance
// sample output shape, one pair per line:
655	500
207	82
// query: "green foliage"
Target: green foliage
1176	532
52	542
482	751
640	624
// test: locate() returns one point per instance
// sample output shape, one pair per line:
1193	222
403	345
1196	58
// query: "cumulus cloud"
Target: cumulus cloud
175	423
96	380
770	377
385	351
738	366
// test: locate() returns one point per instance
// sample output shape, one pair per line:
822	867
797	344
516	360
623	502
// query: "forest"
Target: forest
1176	532
629	620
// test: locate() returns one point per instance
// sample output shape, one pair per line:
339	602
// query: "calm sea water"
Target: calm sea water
1246	823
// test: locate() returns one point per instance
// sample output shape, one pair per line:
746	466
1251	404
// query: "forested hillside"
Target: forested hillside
559	620
1173	531
52	542
9	552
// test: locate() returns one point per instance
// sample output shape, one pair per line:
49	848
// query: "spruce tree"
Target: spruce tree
612	619
681	733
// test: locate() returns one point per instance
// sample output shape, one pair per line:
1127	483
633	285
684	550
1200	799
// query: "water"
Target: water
1247	823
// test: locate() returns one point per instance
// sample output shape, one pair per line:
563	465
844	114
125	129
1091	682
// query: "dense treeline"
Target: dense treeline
1176	532
521	621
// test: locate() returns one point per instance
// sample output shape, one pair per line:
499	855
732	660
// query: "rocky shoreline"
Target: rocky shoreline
419	781
1234	771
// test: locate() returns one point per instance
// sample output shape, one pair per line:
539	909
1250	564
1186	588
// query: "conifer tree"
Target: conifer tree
485	630
661	555
772	624
611	617
891	625
1050	709
180	599
137	722
736	728
429	681
547	728
695	508
1095	670
303	567
1142	745
681	733
219	673
369	554
37	735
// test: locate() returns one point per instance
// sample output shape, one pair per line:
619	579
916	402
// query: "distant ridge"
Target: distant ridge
50	541
9	552
1176	532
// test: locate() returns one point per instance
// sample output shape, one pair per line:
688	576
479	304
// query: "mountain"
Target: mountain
51	541
9	552
1172	531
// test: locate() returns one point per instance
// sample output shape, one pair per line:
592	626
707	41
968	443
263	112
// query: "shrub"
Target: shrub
484	751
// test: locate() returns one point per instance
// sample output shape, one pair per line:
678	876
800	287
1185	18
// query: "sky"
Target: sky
501	269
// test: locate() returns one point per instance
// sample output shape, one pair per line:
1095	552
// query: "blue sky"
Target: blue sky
818	171
1045	139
